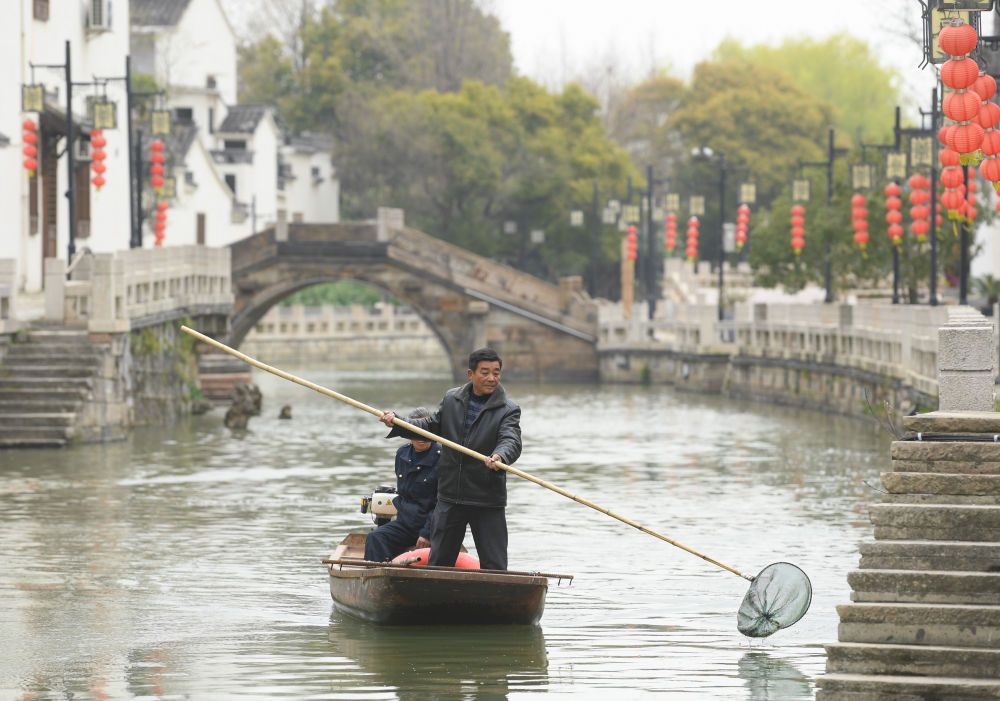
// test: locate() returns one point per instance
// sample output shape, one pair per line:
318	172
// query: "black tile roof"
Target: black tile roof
157	13
242	119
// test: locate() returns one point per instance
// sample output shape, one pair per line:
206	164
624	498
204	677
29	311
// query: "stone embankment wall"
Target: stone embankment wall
924	617
381	337
841	358
143	377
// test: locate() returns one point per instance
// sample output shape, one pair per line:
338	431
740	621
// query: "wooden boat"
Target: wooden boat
398	594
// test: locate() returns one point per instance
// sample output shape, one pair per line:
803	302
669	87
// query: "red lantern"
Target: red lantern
959	73
985	86
798	228
952	176
30	152
952	199
957	38
990	170
895	232
948	157
989	114
157	182
157	169
631	240
892	190
692	238
965	138
861	238
97	157
943	133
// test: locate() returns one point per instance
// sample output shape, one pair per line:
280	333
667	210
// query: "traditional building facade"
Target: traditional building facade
37	40
232	168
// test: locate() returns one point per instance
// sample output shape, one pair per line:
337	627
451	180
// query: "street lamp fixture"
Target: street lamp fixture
706	153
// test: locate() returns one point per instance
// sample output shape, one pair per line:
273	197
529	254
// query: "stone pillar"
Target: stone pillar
281	227
924	617
55	290
965	362
388	218
8	291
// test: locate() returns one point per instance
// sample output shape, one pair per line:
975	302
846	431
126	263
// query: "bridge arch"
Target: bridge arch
243	322
543	332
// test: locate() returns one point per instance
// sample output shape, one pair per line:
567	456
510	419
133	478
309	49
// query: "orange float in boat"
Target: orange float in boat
465	560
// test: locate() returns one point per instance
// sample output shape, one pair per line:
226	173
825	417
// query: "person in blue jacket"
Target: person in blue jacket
416	487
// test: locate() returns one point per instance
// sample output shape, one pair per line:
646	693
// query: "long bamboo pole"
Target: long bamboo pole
451	444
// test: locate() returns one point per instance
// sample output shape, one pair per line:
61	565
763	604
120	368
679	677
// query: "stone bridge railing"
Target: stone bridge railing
896	342
565	304
117	292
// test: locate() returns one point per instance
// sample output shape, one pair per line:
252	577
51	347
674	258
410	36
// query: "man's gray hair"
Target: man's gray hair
419	413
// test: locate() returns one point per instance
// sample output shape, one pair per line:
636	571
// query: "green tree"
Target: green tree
840	70
461	164
355	49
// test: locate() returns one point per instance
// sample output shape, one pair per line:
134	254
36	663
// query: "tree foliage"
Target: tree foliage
841	70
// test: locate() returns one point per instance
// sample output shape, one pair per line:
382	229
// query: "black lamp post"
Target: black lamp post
705	153
895	172
831	154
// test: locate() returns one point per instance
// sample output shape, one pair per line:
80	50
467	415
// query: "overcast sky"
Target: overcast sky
554	39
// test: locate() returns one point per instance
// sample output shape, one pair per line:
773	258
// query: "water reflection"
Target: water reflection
772	679
185	560
428	662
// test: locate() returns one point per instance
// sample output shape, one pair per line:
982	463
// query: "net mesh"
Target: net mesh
778	597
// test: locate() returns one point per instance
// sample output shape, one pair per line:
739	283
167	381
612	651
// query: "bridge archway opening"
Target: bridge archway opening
355	322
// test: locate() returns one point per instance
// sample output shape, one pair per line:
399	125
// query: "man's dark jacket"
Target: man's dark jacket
416	483
463	479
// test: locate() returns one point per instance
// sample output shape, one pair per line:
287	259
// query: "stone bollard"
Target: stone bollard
965	362
55	290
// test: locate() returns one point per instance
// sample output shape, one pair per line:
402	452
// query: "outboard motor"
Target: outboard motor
379	504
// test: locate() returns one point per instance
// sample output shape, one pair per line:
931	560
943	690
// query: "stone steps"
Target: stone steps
940	485
84	357
912	586
947	555
33	405
22	442
862	687
936	522
949	625
43	383
54	418
54	433
46	384
10	370
910	660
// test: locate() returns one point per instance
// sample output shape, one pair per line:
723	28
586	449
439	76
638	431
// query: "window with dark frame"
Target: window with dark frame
41	10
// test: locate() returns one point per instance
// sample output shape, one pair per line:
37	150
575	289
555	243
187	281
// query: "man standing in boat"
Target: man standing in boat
416	487
477	415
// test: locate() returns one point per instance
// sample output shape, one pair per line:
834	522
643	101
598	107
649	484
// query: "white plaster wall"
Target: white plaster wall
203	103
988	260
318	203
264	143
211	197
201	45
23	41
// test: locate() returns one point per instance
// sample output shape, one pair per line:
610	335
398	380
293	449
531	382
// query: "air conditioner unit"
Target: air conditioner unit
99	15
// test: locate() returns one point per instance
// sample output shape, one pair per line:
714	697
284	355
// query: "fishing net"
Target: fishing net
778	597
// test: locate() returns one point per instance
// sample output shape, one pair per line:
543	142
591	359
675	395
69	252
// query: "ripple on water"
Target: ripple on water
184	562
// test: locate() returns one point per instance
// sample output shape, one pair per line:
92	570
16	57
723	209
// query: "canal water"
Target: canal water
185	562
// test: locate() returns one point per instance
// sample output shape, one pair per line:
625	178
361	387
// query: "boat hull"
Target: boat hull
445	596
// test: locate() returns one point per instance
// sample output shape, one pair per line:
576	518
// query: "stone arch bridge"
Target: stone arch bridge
542	331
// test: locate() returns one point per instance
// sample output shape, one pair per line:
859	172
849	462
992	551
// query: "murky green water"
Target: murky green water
185	562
